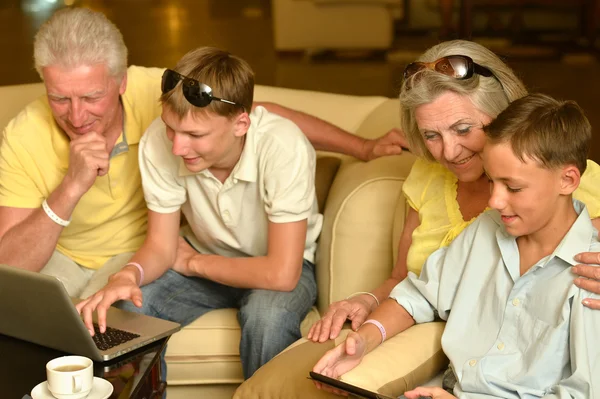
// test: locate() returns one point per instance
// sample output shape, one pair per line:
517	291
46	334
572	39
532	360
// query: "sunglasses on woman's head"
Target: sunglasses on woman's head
456	66
198	94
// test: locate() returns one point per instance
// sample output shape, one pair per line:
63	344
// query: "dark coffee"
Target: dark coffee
70	367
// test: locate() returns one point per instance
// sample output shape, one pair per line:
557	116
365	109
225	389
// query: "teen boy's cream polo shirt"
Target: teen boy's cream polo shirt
111	217
272	181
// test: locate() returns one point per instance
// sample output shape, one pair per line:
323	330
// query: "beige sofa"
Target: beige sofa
364	215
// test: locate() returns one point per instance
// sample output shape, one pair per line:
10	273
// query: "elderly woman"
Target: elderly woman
459	87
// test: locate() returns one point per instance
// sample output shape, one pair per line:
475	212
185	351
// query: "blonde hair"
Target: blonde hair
554	133
491	95
228	76
79	36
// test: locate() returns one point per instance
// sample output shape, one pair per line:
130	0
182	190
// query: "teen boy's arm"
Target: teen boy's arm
325	136
164	196
155	257
279	270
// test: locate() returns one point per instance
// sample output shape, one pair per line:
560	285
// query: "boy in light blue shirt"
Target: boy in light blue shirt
516	326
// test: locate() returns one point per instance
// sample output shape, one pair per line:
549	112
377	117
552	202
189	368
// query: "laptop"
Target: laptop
36	308
348	388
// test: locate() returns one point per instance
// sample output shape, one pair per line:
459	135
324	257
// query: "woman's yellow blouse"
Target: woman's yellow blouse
430	189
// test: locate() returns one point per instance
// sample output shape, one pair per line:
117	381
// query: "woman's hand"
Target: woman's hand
341	359
356	309
428	392
589	276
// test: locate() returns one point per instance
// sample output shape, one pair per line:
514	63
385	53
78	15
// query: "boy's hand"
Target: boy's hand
428	392
340	360
590	276
392	143
121	286
185	253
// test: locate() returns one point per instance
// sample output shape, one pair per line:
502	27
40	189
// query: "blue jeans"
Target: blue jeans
270	320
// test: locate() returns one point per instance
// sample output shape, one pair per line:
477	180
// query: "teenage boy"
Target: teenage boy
516	326
245	183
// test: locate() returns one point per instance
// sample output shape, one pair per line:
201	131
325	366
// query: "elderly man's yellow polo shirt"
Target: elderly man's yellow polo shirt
111	217
273	181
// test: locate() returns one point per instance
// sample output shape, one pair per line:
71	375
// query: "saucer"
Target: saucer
101	389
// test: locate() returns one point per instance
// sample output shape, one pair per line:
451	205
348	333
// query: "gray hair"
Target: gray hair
79	36
491	95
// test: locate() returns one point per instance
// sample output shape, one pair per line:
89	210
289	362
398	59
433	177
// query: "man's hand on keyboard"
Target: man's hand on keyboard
120	286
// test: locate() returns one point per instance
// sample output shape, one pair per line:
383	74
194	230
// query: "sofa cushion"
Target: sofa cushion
356	250
401	363
207	350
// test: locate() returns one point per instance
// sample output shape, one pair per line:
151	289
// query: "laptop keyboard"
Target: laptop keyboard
111	338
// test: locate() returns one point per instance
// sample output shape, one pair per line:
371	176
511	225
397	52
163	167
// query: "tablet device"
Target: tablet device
343	386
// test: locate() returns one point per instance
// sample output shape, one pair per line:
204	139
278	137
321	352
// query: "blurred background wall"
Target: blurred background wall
307	44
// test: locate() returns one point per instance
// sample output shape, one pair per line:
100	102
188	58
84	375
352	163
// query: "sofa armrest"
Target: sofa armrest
403	362
356	249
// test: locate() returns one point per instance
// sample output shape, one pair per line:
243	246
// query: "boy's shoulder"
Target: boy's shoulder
272	131
156	147
489	220
154	135
481	232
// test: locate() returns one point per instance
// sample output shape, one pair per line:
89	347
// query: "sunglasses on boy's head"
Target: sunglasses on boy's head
196	93
456	66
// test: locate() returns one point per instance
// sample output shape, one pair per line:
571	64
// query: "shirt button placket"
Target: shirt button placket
226	217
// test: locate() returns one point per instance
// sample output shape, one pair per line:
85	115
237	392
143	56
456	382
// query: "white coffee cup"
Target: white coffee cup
70	377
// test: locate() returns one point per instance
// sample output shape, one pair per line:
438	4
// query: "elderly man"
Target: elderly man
70	199
71	202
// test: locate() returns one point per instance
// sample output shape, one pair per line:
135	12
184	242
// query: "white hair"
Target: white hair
491	95
79	36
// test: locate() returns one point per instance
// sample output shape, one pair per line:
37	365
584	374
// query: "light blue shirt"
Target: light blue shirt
511	336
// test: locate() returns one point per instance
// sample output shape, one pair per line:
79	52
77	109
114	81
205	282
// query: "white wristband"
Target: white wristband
55	218
364	293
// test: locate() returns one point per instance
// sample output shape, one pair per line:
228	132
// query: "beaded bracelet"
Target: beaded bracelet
364	293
